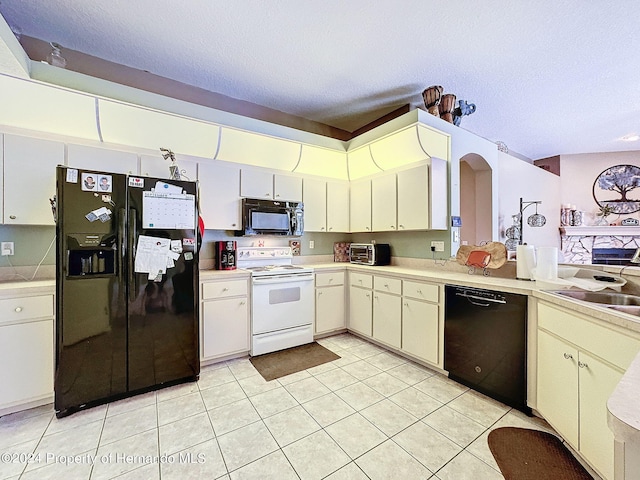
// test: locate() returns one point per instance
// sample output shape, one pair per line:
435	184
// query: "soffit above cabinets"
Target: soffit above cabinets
35	106
141	127
322	162
360	163
407	146
259	150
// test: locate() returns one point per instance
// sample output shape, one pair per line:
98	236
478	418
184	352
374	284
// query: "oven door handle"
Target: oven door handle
282	279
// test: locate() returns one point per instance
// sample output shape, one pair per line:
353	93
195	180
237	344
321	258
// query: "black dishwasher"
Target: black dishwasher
485	342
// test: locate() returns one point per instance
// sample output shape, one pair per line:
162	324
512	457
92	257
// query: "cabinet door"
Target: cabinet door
26	362
156	166
383	203
315	205
220	203
102	159
225	327
360	206
558	385
420	329
30	179
256	184
597	382
360	310
413	199
287	187
337	207
330	305
387	320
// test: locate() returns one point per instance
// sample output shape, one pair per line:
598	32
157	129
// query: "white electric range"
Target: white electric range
282	299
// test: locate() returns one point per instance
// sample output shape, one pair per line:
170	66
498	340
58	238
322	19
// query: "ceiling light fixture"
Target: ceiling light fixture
630	138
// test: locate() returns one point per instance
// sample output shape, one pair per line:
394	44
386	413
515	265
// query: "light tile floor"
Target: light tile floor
370	414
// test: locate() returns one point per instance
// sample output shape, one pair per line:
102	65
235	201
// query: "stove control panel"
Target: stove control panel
257	253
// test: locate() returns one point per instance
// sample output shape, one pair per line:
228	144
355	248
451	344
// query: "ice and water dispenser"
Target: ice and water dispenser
91	255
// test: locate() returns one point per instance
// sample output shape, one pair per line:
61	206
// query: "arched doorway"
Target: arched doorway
475	199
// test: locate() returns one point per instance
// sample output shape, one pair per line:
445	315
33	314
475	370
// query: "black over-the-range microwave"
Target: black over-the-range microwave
269	217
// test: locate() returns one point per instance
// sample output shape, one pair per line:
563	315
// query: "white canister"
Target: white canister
547	263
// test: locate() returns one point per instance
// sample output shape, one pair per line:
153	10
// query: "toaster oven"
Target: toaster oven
370	253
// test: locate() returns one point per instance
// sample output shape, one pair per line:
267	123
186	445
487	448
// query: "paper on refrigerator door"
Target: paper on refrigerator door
151	255
168	211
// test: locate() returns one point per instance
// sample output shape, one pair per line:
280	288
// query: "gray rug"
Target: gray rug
285	362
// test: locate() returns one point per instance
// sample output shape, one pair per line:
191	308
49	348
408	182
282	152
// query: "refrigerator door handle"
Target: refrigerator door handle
132	234
122	241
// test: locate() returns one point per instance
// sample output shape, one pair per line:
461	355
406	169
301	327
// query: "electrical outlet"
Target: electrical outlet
456	235
439	246
7	248
312	244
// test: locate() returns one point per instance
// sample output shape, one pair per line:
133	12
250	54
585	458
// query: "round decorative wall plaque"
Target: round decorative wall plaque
619	188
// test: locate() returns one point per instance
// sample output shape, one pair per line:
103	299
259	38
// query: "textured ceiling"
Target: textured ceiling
547	77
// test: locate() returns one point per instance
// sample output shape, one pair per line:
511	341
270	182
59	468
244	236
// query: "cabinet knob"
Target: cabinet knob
420	292
321	228
582	365
233	224
368	228
330	280
18	309
568	356
360	280
386	285
368	295
267	194
242	302
406	304
277	195
400	226
330	228
375	296
393	227
319	293
225	289
12	217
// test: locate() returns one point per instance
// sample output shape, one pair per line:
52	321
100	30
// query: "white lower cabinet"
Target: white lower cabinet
421	320
579	364
360	303
26	352
330	302
387	310
224	318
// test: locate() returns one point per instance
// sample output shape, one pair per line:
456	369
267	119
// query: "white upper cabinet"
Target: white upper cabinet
143	127
422	197
314	196
337	207
157	166
360	206
30	179
258	183
220	203
101	159
45	108
383	203
287	187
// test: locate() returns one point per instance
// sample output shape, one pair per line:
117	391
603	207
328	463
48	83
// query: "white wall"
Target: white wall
517	179
579	172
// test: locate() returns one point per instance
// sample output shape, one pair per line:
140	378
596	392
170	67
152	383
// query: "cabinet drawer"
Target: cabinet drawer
224	289
615	347
329	279
361	280
24	308
421	291
386	284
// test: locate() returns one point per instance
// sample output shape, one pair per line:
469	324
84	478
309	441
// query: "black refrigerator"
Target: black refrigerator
126	286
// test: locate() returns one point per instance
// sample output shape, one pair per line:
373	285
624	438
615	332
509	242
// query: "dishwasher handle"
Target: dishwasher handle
471	298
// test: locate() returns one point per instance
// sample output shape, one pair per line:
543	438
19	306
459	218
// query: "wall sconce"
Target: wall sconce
54	57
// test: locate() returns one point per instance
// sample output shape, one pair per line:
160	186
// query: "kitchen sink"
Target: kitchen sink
603	298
